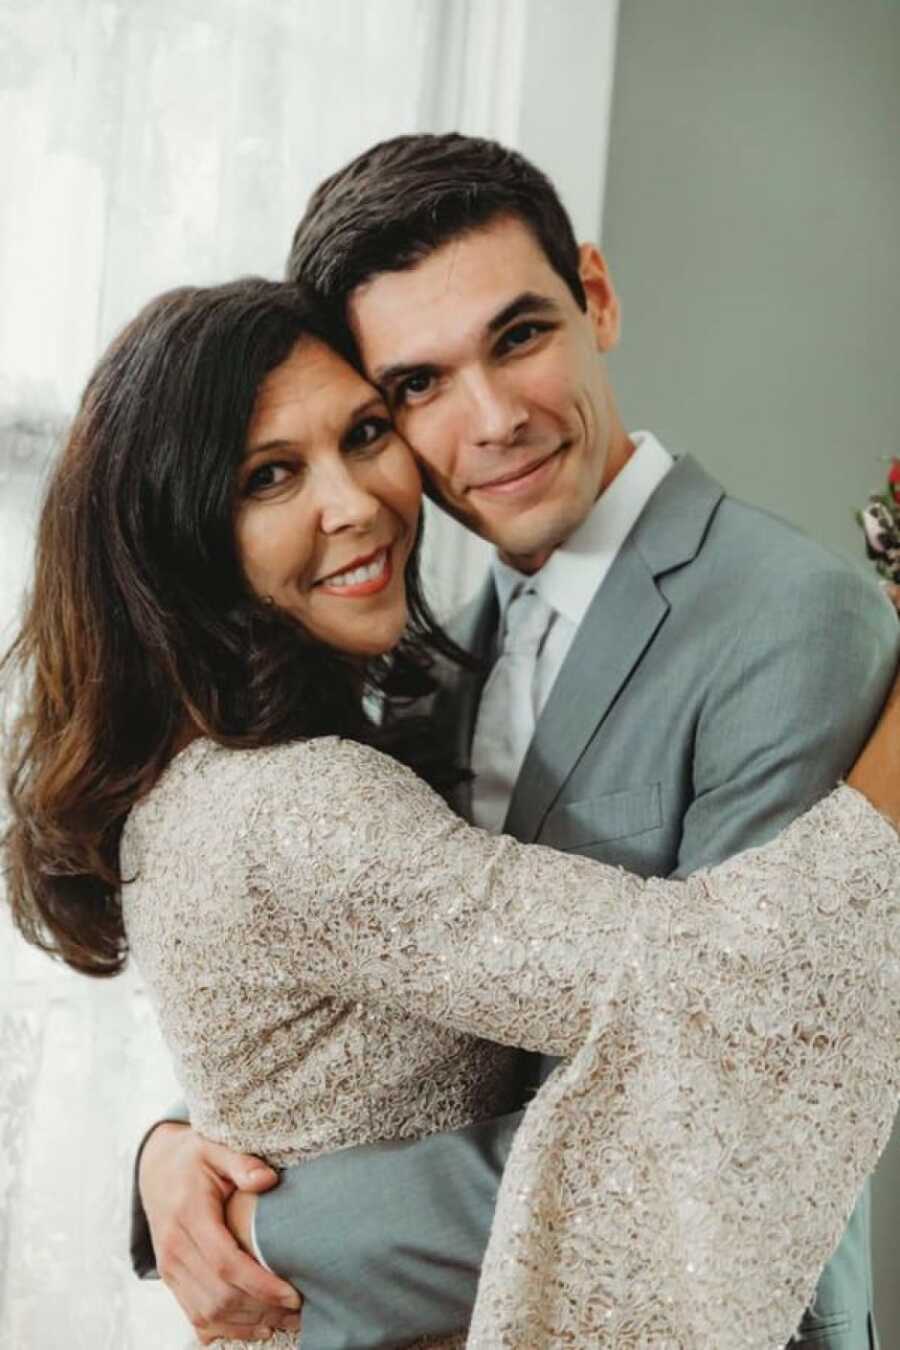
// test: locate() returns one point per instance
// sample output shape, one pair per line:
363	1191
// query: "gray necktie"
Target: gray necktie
507	712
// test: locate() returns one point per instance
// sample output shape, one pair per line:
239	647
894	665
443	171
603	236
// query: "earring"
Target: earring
267	600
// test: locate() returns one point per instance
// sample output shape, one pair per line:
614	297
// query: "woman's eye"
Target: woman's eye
265	477
367	433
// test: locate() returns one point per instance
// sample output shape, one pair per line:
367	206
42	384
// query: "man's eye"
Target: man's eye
267	476
413	387
521	334
367	433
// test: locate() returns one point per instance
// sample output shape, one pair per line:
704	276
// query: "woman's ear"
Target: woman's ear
602	302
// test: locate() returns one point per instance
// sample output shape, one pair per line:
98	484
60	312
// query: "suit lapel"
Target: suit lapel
620	624
621	621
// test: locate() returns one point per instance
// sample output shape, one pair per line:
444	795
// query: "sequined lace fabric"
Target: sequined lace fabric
324	941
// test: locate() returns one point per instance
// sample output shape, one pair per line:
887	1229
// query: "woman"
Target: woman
226	557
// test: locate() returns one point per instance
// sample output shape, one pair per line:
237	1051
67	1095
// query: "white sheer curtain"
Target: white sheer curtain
147	143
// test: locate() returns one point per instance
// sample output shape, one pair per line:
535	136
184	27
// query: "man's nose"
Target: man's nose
496	412
344	503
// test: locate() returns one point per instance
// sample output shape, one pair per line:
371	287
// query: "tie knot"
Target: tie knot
527	620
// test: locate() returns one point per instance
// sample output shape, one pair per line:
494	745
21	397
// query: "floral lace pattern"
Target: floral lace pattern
323	939
682	1181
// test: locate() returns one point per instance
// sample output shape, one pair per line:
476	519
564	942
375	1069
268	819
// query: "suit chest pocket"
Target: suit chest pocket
598	820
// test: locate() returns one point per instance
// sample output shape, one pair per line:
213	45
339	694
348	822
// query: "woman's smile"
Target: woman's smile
363	577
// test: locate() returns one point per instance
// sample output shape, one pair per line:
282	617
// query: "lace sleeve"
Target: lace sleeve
684	1179
385	894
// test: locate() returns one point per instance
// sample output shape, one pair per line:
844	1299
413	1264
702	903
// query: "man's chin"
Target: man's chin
526	551
525	548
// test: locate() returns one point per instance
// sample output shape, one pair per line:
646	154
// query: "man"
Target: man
697	673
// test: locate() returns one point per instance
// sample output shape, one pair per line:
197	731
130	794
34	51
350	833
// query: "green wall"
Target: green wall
753	229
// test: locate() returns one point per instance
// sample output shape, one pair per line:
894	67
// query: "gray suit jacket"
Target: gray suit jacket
724	677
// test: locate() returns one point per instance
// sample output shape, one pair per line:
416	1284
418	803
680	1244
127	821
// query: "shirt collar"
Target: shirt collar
569	579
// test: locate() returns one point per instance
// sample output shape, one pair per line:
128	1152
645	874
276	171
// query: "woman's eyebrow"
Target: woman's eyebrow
374	400
280	443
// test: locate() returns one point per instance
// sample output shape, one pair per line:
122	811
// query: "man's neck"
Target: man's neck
621	450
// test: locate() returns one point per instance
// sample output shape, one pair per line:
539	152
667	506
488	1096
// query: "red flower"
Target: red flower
894	479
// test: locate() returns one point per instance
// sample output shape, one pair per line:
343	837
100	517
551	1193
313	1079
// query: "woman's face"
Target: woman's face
328	502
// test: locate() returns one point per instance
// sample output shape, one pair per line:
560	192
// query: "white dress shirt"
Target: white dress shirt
567	583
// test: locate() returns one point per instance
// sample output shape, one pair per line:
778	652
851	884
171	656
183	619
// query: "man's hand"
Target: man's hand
239	1211
185	1182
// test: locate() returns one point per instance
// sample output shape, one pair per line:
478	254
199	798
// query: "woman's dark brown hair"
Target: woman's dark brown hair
140	621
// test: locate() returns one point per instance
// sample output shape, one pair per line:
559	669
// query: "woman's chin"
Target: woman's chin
377	639
379	648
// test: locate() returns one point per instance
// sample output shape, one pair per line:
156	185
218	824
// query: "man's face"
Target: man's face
495	377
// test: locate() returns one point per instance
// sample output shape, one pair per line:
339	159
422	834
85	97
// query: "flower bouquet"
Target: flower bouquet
880	521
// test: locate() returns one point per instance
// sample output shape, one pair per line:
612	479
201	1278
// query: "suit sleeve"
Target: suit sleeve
792	702
143	1257
386	1241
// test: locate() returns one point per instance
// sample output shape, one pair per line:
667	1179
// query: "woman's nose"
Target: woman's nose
345	504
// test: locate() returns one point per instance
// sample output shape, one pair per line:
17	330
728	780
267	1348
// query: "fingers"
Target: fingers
172	1151
210	1250
215	1281
243	1170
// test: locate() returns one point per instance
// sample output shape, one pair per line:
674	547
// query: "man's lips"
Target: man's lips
522	479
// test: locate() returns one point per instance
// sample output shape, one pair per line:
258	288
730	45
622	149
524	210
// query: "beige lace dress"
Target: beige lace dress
324	940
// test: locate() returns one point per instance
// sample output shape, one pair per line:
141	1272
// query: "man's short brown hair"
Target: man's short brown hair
400	200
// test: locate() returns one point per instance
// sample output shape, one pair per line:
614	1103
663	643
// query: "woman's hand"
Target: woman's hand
877	771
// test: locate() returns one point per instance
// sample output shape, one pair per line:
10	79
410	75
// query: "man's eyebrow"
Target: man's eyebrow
529	302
